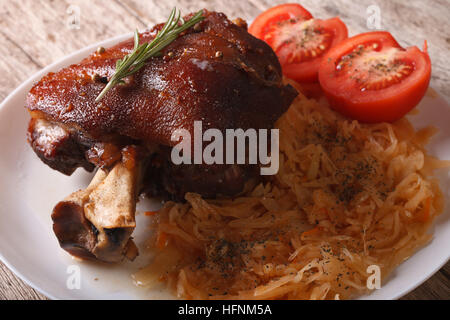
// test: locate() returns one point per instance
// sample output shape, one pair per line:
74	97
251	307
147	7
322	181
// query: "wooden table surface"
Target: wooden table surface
35	33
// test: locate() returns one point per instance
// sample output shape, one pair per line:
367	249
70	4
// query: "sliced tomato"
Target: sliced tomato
310	90
301	49
298	40
265	21
371	78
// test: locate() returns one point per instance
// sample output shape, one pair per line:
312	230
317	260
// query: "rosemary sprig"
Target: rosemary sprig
136	59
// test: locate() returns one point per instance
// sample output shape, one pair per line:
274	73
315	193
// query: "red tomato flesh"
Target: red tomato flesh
265	21
298	40
302	50
371	78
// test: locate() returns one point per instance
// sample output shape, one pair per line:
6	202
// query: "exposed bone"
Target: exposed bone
98	222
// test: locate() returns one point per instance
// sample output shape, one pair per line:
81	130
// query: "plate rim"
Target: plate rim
60	63
63	62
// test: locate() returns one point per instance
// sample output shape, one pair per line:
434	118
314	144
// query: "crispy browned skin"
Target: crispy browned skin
220	74
216	72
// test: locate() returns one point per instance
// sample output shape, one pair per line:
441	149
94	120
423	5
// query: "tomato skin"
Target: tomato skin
308	71
304	71
311	90
262	23
384	105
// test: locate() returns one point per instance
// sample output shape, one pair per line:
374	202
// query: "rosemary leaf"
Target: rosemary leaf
136	59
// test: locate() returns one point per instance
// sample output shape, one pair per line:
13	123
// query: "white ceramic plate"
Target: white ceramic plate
29	190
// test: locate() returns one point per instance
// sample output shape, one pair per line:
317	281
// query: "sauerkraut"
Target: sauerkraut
347	196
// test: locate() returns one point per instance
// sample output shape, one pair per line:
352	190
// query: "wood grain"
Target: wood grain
35	33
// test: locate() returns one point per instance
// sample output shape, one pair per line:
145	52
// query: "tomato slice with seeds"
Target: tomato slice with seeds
269	18
298	40
300	46
371	78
